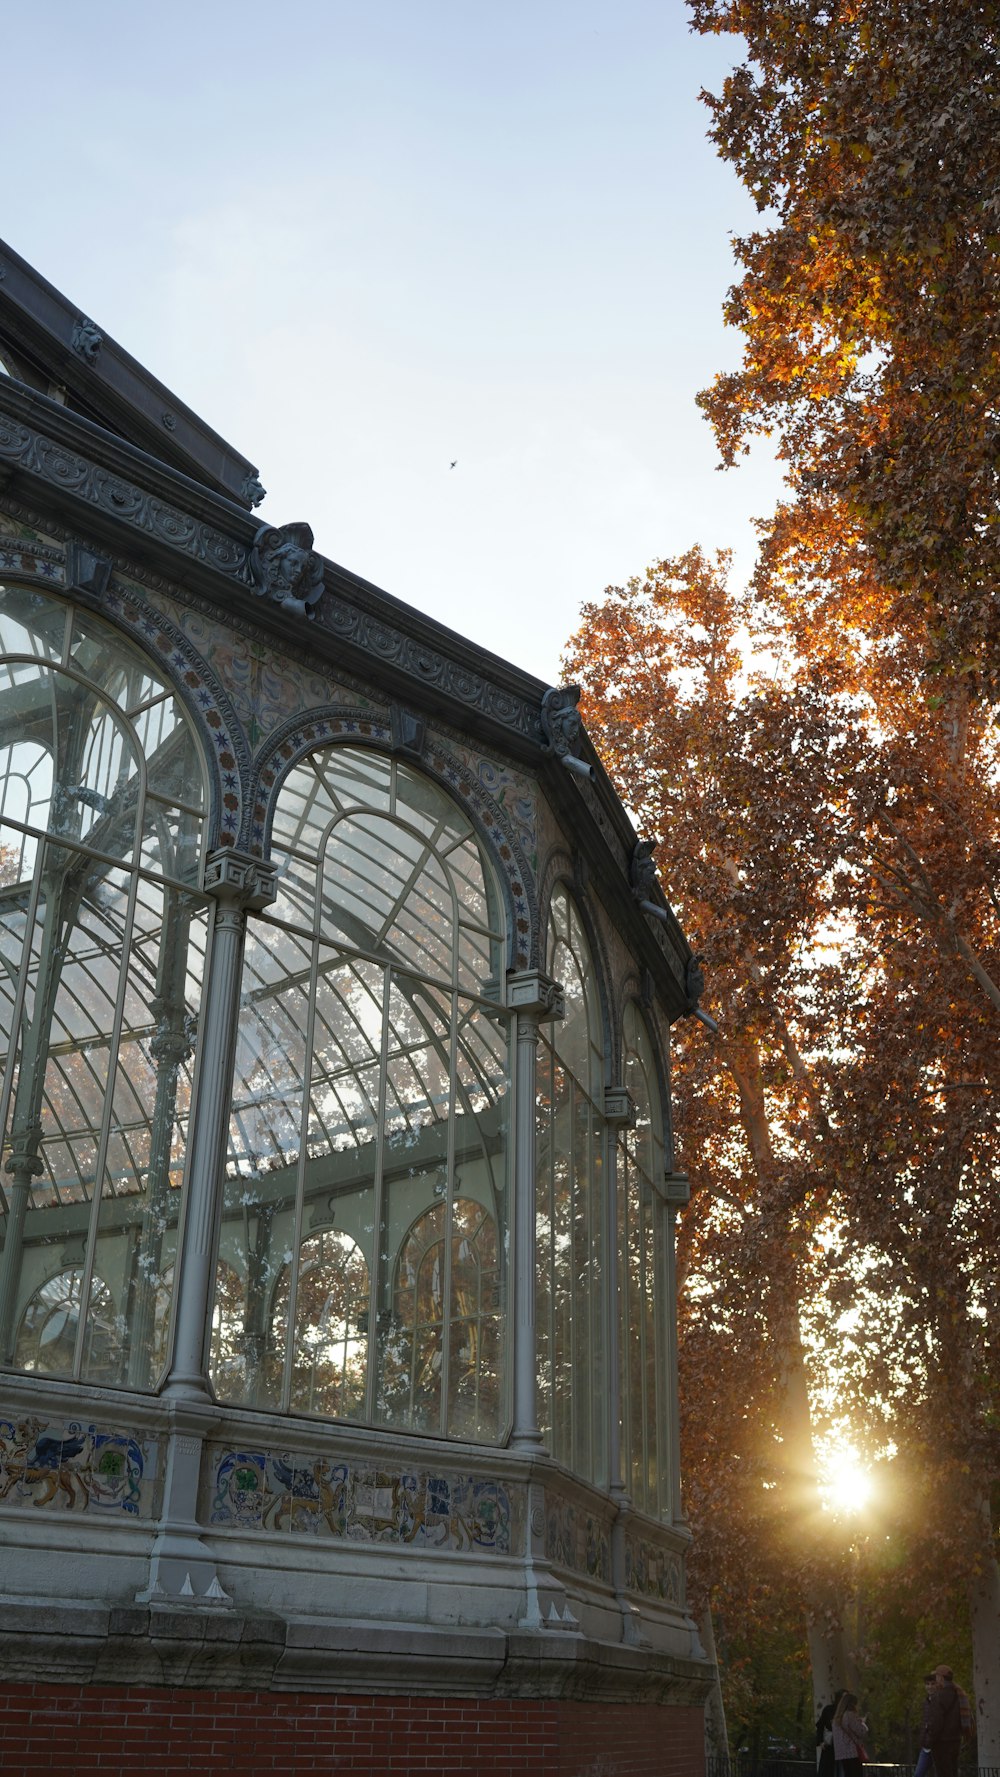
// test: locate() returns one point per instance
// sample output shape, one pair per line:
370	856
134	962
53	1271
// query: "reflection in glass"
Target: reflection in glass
371	1080
102	942
642	1233
570	1207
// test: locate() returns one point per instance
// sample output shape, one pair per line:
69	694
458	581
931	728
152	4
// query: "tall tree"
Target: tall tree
733	775
868	134
832	841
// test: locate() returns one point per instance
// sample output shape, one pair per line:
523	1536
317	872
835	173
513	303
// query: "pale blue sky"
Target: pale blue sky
363	237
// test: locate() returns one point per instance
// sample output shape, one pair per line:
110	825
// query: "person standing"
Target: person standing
943	1727
850	1734
924	1766
825	1763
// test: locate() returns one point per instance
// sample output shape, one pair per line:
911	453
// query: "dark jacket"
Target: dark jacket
943	1725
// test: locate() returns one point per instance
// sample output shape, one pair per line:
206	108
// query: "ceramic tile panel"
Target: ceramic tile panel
69	1465
276	1492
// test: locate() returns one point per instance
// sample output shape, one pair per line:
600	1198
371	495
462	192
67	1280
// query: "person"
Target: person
943	1729
850	1734
825	1764
924	1766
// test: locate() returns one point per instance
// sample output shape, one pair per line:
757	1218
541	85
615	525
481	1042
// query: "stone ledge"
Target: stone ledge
229	1650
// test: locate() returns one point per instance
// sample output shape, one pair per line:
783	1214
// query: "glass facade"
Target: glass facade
361	1228
570	1225
102	949
367	1171
642	1261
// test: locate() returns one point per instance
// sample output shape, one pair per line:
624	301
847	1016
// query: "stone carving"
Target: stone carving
653	1572
535	996
562	727
694	981
252	491
86	339
285	567
234	878
642	870
577	1540
62	468
429	667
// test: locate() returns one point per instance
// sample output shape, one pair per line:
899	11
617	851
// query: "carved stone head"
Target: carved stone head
285	568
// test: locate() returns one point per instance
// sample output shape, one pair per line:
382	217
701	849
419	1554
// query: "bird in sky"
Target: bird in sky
452	464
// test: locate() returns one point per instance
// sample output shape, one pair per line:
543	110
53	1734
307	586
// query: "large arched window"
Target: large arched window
642	1258
370	1089
102	948
570	1202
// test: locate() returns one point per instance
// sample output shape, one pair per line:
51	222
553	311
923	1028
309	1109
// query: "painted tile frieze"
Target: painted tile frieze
277	1492
577	1539
653	1572
72	1466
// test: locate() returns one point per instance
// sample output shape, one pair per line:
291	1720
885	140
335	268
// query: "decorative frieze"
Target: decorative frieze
281	1492
653	1572
72	1466
577	1539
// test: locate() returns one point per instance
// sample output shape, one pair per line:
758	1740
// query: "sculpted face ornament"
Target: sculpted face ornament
253	490
562	727
285	568
86	339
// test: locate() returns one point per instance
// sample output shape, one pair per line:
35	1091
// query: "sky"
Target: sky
364	239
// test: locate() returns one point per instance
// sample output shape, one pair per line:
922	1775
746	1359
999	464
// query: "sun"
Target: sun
845	1484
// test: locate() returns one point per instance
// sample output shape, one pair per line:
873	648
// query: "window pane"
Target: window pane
99	993
571	1207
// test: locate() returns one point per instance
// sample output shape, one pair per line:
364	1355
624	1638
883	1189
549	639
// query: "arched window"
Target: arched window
330	1340
371	1077
428	1276
47	1337
102	947
642	1257
570	1233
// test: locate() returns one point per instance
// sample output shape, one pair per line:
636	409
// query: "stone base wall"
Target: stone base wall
70	1730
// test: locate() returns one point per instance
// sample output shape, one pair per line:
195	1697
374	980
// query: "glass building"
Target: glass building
336	1284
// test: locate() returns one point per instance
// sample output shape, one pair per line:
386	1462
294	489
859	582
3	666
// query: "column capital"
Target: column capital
619	1107
536	996
676	1188
234	877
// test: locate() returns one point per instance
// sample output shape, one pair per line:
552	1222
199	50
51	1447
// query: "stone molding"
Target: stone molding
234	1650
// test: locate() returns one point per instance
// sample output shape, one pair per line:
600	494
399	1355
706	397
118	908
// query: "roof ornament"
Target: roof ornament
252	491
285	568
562	726
644	880
86	339
694	987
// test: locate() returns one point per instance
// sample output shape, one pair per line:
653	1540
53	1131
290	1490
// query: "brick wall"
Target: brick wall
70	1730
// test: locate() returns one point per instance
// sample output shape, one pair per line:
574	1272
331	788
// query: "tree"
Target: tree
707	760
836	863
867	133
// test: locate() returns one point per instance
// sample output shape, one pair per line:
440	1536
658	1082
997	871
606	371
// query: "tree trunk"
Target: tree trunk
984	1617
716	1738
